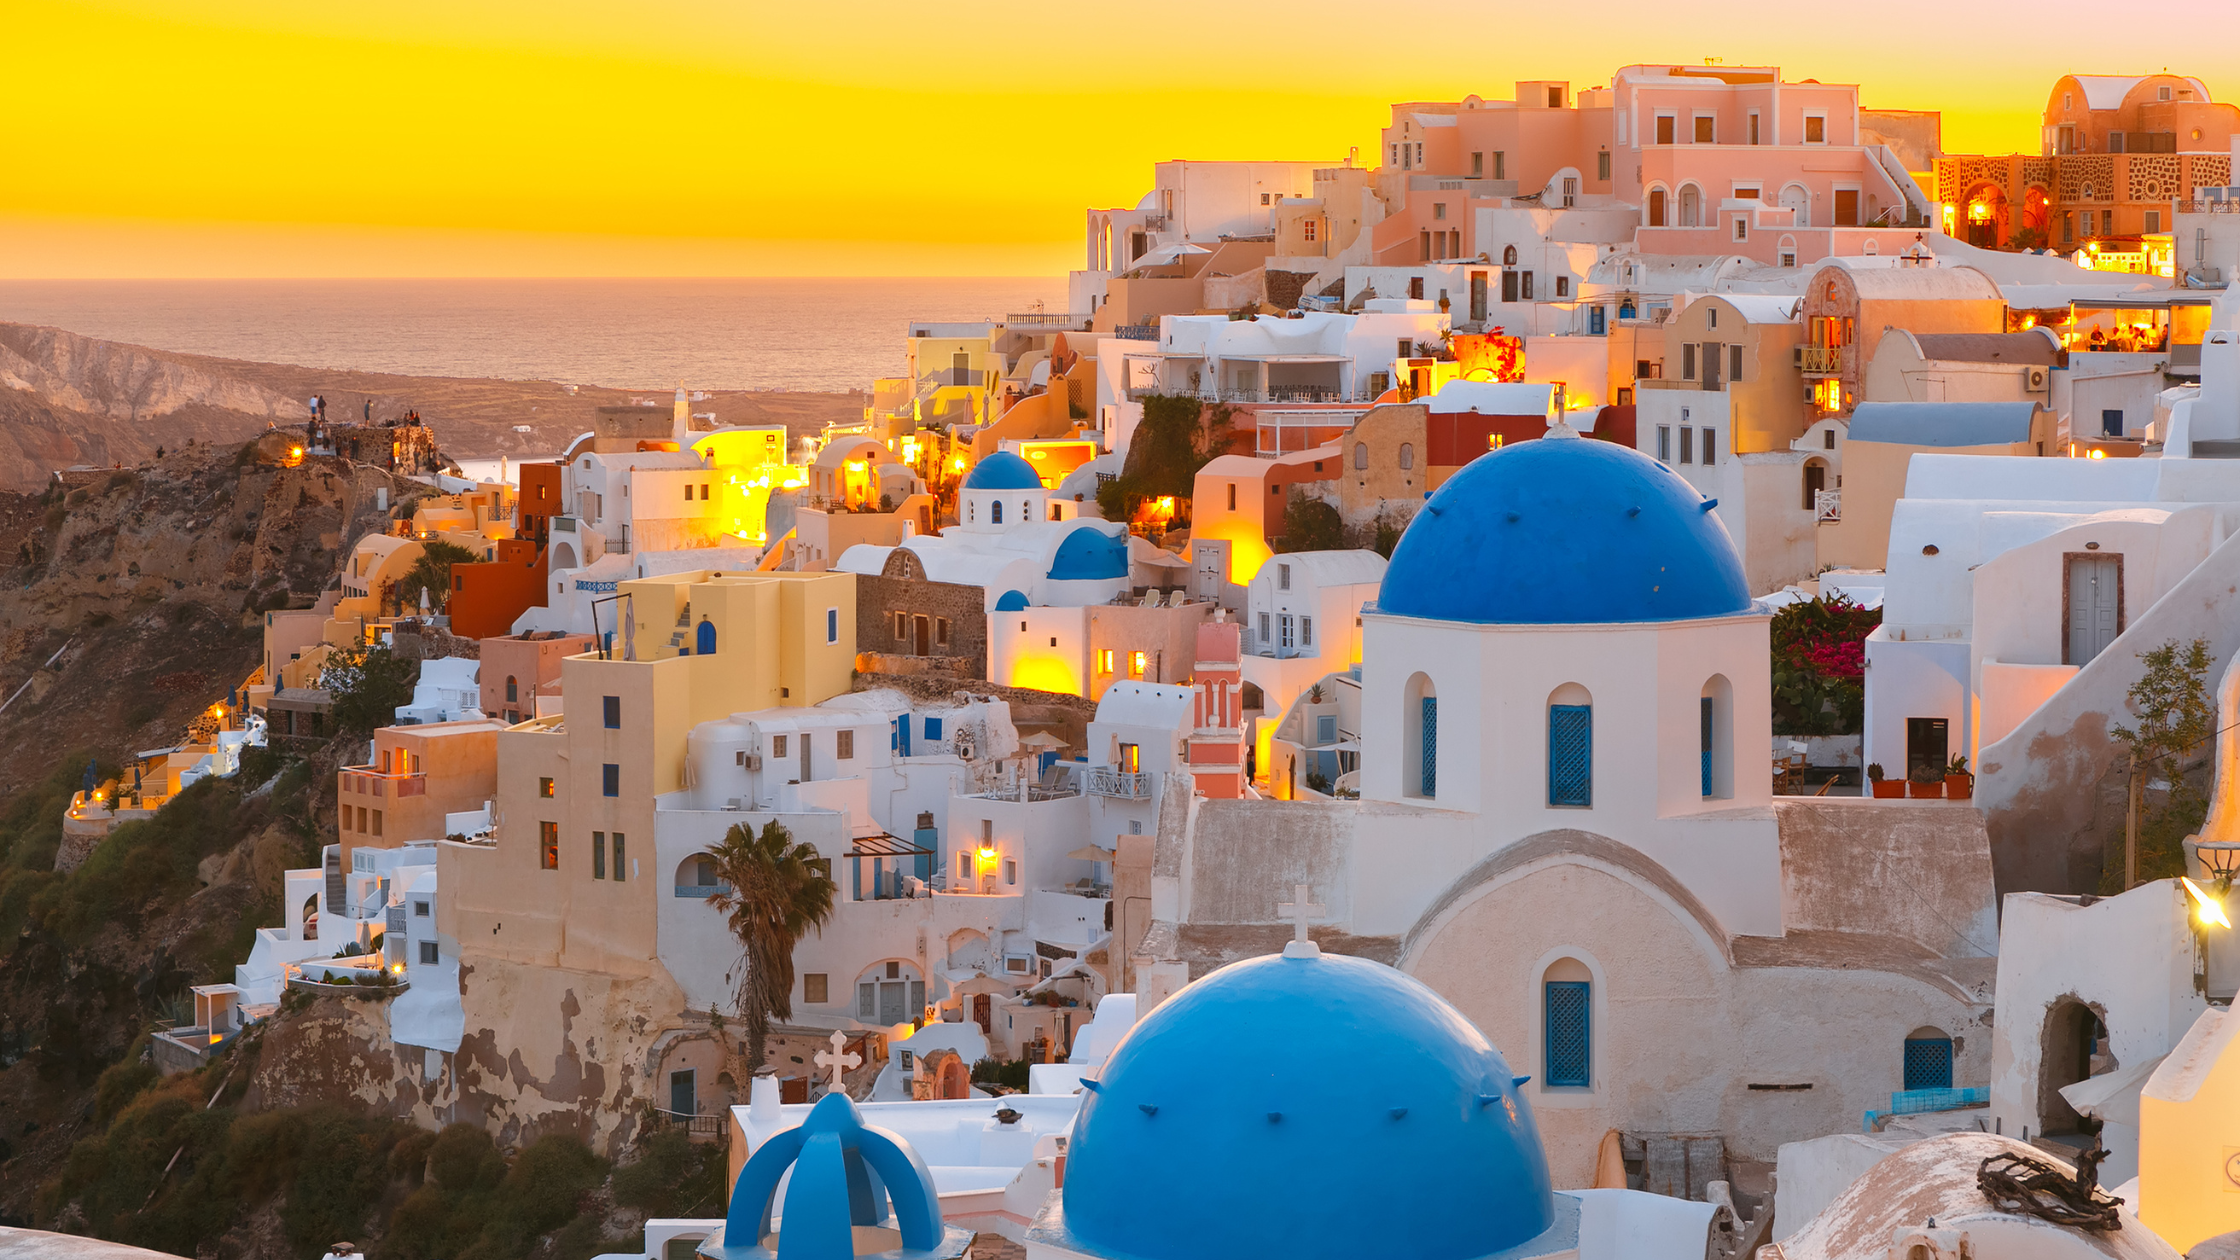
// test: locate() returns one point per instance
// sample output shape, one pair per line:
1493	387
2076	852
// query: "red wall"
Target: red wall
487	598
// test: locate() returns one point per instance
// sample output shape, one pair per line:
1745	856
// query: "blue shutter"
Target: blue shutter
1571	754
1570	1042
933	730
1430	746
1929	1063
1707	745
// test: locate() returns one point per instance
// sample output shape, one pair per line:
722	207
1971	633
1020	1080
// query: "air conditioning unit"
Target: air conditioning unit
1796	356
753	761
2036	380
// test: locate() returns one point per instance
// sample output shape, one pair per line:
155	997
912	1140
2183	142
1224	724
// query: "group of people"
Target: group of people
2142	339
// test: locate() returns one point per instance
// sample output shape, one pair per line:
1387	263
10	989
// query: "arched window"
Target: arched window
513	689
1360	454
704	642
1407	454
1716	723
1656	207
1567	1022
995	511
1509	256
1928	1059
1419	719
1571	747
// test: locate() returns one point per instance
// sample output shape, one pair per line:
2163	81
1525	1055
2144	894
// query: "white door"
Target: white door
1797	199
2095	605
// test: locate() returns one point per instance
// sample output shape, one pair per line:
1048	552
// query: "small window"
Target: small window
1407	459
598	855
1928	1060
1283	577
1232	496
618	872
1011	870
1571	752
1570	1048
420	909
933	728
1710	444
1664	442
941	631
777	745
832	625
1137	661
1563	286
844	745
1742	227
1687	444
1306	632
1706	129
544	788
1815	129
1360	455
1438	209
428	953
964	867
1602	165
1500	164
610	779
1734	362
513	690
548	844
816	988
1688	361
1104	660
613	713
377	822
1665	125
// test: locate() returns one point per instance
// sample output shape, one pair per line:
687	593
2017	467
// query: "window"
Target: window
1263	627
1438	209
377	822
1306	229
1407	457
1555	98
777	745
1598	320
610	780
1011	870
1706	129
832	625
548	844
1688	361
1563	286
1664	442
1524	286
941	631
598	855
2162	94
513	690
1136	663
1306	632
1263	199
618	855
845	745
1753	126
1570	1048
1742	227
1104	660
420	909
613	713
1665	126
2154	220
1656	207
1283	577
1571	749
816	987
1284	638
1734	362
1361	455
1602	165
1687	444
933	728
1928	1060
688	492
964	867
1477	165
1815	128
1500	164
428	953
1710	443
1232	496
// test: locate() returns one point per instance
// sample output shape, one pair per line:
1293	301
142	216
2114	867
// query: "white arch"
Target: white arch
1691	205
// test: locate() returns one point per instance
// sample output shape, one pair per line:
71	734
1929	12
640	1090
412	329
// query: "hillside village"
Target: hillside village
1657	663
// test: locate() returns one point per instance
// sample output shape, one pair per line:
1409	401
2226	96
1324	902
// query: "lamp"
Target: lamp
2221	858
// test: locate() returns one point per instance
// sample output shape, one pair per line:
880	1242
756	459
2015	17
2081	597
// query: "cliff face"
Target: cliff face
129	383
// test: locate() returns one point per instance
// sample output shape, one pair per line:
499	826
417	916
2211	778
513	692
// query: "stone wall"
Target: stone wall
903	588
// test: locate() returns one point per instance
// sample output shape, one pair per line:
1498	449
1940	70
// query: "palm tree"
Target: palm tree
772	893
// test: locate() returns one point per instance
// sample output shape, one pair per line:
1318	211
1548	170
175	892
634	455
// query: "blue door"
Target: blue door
1430	784
1707	745
705	642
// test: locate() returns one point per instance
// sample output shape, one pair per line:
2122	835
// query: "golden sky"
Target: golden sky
764	137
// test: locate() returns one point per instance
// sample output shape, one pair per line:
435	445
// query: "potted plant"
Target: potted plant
1959	784
1927	784
1884	789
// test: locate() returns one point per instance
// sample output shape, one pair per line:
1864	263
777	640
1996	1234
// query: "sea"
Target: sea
794	334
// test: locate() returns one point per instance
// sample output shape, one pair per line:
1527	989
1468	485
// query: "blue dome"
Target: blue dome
1011	601
1089	554
1565	531
1311	1107
1002	471
846	1174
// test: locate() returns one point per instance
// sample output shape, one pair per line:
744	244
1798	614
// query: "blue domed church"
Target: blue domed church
1567	830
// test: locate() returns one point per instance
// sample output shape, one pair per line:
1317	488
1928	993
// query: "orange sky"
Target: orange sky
748	137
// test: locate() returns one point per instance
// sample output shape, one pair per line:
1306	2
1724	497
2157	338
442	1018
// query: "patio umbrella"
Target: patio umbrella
1041	742
1092	853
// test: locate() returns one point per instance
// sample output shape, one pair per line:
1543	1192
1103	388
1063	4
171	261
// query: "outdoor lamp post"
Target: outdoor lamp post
2219	863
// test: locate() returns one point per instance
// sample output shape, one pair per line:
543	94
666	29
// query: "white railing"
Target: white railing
1127	785
1827	505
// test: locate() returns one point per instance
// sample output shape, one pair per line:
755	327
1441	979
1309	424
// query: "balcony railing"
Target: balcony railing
701	890
367	781
1827	506
2209	207
1040	319
1825	360
1124	784
1137	332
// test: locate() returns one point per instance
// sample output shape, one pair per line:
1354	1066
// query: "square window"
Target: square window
1438	209
544	787
610	779
816	987
845	745
777	745
548	844
428	953
1706	129
1815	129
420	909
612	711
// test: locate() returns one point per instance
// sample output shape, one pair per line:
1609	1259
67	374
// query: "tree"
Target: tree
2177	721
772	892
1175	439
432	573
1309	524
1819	666
367	684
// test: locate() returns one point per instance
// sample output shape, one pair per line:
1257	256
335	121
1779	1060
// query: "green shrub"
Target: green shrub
672	1176
122	1082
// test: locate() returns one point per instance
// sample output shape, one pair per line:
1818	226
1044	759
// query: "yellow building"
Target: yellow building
749	463
2189	1136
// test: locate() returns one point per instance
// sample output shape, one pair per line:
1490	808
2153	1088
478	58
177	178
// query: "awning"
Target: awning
1093	853
883	845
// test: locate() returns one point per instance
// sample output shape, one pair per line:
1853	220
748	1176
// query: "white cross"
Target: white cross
1299	910
838	1061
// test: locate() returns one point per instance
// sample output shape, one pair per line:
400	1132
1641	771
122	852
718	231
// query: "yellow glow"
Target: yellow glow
957	463
2212	910
987	853
2099	455
1045	673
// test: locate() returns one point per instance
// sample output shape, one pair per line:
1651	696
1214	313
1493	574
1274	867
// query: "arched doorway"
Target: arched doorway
1798	202
1985	211
2071	1048
1691	206
1815	480
704	640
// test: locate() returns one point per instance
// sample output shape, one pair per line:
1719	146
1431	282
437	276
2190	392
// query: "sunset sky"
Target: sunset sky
749	137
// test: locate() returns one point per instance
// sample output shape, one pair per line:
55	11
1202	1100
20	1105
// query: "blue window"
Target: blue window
610	780
1430	746
1571	754
1928	1062
2111	422
705	641
1707	745
933	728
1570	1033
995	512
1326	729
1595	319
614	713
832	625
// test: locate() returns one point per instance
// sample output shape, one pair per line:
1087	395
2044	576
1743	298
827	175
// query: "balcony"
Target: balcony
2209	207
1821	360
1137	332
367	781
1122	784
1062	322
